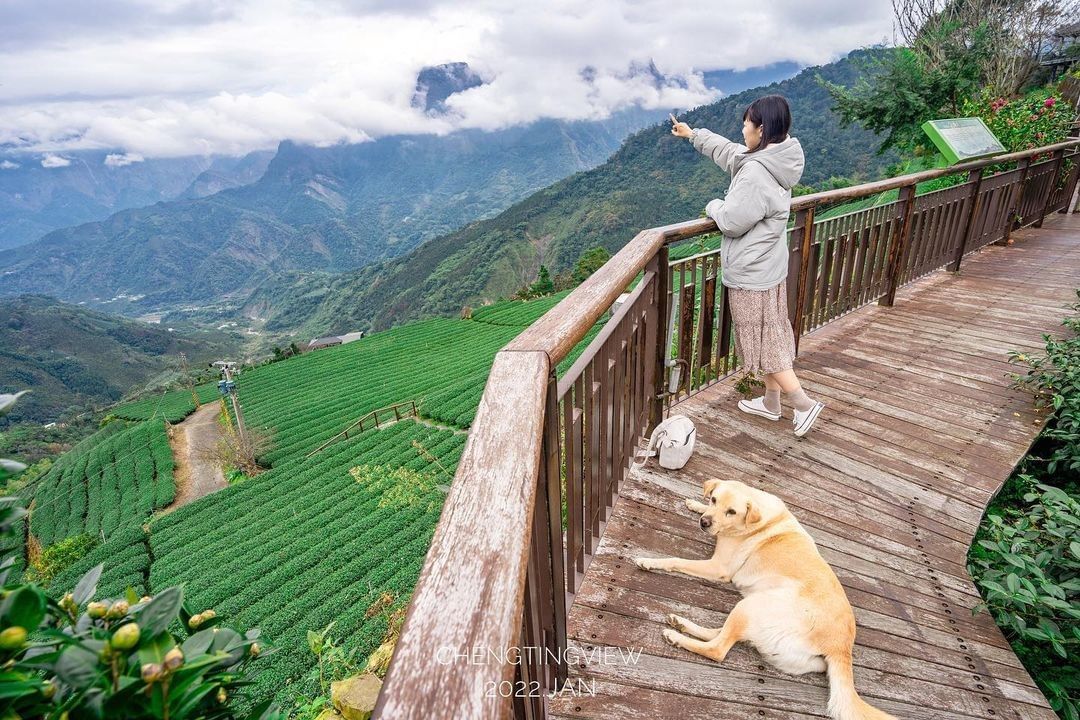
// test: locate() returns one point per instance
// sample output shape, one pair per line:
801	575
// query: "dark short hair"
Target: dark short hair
772	114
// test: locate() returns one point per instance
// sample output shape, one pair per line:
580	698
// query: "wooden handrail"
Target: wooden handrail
360	422
878	186
467	604
470	608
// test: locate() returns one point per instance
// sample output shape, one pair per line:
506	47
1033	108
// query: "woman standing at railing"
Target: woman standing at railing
754	254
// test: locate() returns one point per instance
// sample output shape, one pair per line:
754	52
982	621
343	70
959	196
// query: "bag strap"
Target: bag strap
658	432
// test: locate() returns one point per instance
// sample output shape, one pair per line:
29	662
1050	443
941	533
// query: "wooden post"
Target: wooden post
806	217
1014	201
969	223
658	321
899	240
1070	187
1058	155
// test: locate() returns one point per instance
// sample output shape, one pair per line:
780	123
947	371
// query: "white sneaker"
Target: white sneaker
757	407
804	420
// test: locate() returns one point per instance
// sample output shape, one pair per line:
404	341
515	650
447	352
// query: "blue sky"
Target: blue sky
181	77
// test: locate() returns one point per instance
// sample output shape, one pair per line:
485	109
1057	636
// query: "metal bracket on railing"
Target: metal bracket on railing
673	383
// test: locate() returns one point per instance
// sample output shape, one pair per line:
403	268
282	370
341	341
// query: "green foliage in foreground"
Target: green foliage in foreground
79	659
1026	558
120	658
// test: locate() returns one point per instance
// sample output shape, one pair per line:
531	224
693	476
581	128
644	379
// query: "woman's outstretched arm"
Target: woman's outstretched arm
717	147
746	206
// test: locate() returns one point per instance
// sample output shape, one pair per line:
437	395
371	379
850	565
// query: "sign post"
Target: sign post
962	139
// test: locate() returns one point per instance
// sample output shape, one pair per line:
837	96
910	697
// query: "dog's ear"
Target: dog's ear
753	515
709	486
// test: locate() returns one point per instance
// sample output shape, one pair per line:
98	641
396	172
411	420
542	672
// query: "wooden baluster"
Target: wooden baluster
1014	201
571	436
618	410
555	580
656	336
804	224
1070	185
687	296
974	203
899	241
705	322
1058	159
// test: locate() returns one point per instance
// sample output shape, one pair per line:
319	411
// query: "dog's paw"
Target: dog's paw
672	636
644	563
676	622
695	506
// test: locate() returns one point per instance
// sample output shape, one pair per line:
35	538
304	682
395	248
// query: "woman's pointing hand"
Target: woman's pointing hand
680	129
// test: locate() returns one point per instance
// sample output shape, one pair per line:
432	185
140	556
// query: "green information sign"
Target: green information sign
961	139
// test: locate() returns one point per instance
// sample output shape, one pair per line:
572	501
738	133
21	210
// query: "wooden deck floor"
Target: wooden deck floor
920	430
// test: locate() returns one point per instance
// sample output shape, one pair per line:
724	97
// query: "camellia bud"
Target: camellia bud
255	650
208	614
196	621
126	637
97	610
145	599
13	638
152	672
118	610
174	659
222	696
48	690
67	603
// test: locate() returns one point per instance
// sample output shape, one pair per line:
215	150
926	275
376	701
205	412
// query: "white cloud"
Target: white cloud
122	159
54	161
242	75
8	165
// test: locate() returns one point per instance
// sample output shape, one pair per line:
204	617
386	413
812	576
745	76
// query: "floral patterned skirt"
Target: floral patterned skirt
764	340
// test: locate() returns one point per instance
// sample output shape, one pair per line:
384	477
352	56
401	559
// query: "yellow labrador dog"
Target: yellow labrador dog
793	610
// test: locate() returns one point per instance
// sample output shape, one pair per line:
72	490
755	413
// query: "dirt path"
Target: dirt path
195	475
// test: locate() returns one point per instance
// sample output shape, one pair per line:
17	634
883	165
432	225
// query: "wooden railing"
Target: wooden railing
485	633
372	419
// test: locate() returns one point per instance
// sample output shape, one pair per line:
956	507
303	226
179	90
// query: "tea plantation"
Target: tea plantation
309	540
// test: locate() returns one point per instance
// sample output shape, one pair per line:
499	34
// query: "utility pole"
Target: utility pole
228	387
190	384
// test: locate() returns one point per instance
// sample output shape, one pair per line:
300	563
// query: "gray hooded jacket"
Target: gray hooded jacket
754	214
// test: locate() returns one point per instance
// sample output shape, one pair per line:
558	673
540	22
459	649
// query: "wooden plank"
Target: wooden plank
890	486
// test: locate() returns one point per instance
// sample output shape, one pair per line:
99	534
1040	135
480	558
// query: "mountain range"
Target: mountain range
198	229
42	192
654	179
332	208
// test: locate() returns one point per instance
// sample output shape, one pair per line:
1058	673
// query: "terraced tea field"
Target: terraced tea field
309	540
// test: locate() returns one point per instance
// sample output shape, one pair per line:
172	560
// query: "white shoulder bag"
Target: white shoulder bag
674	442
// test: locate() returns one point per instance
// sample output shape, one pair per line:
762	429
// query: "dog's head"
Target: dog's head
732	508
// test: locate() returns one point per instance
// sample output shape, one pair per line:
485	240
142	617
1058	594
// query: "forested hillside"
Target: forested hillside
652	180
73	358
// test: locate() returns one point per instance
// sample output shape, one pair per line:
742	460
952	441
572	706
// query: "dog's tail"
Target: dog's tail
844	702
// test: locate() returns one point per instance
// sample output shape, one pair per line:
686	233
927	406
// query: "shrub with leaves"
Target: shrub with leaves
80	659
1027	564
8	468
1054	379
59	556
1041	117
1026	558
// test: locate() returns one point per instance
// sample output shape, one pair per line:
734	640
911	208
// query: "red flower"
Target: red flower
1049	102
